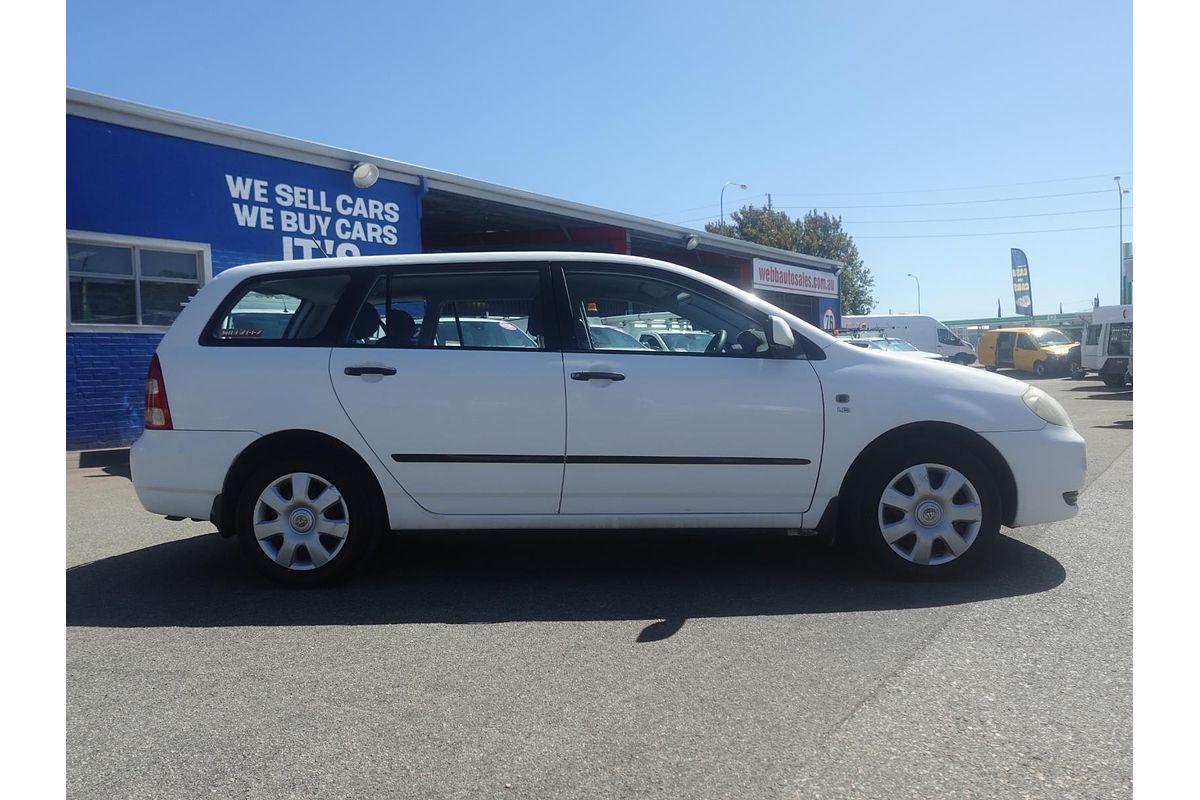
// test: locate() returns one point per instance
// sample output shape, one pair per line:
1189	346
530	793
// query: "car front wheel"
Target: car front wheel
926	511
304	523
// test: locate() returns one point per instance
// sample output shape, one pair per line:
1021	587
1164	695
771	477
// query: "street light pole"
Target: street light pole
1120	224
918	280
1121	237
728	183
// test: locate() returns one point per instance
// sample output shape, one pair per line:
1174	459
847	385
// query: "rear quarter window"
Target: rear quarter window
291	309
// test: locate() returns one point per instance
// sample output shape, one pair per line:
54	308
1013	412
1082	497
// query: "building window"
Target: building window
131	281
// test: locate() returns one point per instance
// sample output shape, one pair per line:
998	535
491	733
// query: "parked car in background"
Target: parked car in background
308	441
1107	347
1042	351
607	337
477	332
896	346
922	331
676	341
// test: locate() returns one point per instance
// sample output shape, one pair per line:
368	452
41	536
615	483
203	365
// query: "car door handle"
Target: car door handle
370	370
597	376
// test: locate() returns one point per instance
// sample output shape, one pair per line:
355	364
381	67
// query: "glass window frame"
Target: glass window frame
949	337
465	269
201	250
568	316
1113	329
357	284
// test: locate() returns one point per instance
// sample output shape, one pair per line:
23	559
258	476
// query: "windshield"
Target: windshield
1045	338
901	345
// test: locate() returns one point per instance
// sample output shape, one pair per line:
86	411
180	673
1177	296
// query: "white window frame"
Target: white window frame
136	243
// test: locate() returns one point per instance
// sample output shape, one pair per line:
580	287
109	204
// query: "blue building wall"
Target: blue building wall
245	206
106	382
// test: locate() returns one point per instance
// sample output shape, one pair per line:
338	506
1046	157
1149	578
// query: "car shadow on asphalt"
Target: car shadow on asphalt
1105	392
492	577
111	463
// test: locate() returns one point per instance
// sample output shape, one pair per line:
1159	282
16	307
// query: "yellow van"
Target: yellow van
1042	351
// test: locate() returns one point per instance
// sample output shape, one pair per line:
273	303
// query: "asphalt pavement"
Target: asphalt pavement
634	664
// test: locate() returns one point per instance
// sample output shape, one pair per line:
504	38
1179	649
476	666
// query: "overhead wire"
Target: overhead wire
996	233
977	219
1124	173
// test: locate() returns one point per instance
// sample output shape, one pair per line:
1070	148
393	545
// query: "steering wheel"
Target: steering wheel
717	343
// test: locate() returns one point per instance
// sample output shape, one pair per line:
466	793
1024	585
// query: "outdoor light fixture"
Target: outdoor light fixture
365	174
723	188
691	241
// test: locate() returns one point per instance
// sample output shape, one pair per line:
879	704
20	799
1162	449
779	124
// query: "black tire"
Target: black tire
1077	371
1114	381
1039	369
877	475
990	368
357	505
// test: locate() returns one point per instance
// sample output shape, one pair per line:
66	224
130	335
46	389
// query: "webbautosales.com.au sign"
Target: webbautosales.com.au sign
778	277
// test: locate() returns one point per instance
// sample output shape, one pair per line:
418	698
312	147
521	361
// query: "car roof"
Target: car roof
423	259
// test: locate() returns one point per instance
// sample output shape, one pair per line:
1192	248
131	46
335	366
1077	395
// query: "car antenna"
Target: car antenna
320	247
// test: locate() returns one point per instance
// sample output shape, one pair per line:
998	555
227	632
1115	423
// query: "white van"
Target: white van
917	329
1108	345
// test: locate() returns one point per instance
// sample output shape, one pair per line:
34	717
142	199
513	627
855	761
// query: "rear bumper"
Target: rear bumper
1047	466
180	473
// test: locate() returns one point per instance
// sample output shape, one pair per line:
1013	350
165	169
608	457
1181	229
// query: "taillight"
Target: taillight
158	412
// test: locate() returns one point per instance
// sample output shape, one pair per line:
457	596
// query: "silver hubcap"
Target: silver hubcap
930	514
301	521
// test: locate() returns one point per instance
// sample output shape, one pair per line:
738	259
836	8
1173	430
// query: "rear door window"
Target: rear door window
454	309
1119	336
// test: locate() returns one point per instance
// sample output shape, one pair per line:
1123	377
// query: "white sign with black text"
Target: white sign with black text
776	277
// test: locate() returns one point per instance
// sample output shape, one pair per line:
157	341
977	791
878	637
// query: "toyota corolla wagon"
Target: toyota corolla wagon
460	391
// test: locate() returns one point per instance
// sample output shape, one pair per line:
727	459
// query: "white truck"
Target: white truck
1107	347
922	331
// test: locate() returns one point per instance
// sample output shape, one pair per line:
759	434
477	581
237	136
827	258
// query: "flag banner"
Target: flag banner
1022	292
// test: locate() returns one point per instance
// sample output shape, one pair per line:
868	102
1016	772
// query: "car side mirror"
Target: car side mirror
780	338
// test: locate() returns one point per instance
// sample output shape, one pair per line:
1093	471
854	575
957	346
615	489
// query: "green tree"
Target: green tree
817	234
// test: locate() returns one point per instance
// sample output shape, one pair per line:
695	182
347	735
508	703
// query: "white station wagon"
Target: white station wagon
382	405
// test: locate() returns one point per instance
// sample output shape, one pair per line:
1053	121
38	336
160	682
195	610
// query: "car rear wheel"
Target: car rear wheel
927	510
302	522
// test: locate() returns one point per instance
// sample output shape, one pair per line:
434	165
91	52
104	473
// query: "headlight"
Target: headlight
1046	407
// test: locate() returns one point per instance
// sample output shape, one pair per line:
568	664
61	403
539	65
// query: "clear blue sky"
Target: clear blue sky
649	107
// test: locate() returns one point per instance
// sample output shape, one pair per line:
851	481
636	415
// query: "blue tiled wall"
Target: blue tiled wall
106	384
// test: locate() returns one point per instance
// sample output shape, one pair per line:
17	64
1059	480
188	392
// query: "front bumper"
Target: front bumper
1048	466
